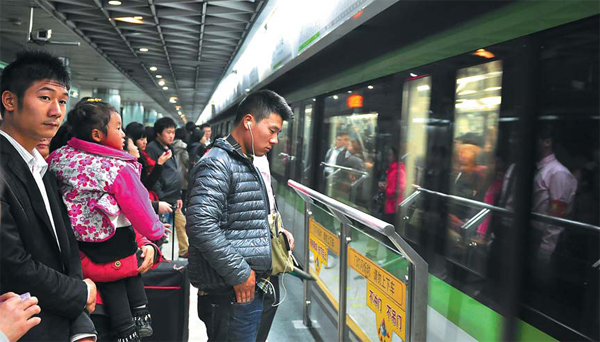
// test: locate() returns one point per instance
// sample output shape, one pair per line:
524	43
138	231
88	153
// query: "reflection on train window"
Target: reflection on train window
564	271
280	151
475	127
477	108
348	163
416	99
306	145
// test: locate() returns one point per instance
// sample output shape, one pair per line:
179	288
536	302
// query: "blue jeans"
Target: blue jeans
227	320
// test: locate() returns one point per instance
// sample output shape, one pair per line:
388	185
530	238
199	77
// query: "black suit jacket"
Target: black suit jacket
30	258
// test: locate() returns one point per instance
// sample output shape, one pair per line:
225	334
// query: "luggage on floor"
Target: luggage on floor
168	291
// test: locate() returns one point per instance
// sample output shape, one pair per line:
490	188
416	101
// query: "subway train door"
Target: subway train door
450	121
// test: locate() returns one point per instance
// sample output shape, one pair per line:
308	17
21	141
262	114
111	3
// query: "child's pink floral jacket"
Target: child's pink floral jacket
98	183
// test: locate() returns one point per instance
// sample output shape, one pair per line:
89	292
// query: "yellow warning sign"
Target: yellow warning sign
389	316
319	250
391	286
321	233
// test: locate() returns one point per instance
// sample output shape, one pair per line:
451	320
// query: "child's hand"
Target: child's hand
148	255
167	231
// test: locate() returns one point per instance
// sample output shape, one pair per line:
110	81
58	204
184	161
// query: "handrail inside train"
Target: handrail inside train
503	211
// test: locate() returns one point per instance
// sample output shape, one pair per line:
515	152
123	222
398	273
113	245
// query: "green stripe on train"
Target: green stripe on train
510	22
476	319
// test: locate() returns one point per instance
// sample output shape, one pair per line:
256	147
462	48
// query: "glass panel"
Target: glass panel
477	108
415	114
305	164
563	274
416	100
280	151
351	156
324	246
377	288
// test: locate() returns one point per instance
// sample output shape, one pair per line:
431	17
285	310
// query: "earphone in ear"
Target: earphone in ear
248	124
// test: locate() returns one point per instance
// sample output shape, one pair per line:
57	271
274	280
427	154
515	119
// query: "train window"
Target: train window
279	150
305	163
476	115
349	161
416	101
563	272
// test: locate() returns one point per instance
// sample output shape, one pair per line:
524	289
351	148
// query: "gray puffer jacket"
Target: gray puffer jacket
227	219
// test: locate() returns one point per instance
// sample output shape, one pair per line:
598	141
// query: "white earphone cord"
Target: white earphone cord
273	290
251	137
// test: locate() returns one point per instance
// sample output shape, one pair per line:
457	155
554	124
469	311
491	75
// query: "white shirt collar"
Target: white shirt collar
545	161
34	159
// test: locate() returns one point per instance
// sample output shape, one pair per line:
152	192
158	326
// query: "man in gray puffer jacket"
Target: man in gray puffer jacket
227	221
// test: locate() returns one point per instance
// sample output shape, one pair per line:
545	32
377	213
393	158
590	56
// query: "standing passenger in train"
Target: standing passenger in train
338	154
108	204
554	190
395	183
168	187
39	253
228	226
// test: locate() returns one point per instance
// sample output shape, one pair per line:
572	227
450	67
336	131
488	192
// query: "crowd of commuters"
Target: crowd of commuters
78	198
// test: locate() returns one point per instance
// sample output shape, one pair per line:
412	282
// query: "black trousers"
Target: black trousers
268	313
120	298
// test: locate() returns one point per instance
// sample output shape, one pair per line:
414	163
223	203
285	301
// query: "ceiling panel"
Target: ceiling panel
191	42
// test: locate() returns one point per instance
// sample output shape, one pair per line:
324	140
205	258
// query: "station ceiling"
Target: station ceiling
167	48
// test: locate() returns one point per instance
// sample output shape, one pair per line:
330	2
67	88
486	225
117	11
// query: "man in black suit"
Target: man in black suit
38	251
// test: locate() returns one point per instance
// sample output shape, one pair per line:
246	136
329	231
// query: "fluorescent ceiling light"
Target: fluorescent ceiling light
161	82
143	49
114	3
158	76
131	20
153	68
370	86
165	88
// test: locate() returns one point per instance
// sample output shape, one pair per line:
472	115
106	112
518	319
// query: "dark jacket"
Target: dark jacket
168	187
30	257
195	151
227	219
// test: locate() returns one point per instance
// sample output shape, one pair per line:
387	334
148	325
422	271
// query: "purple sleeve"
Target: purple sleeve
134	201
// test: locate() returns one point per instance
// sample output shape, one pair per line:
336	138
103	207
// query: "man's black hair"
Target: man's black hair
136	131
341	133
29	67
547	131
196	136
163	123
190	126
261	104
204	125
180	134
150	133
